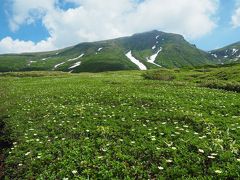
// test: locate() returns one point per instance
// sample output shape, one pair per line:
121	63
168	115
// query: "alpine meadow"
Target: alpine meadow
142	104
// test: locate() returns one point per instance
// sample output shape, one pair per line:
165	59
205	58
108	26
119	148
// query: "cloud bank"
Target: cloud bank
91	20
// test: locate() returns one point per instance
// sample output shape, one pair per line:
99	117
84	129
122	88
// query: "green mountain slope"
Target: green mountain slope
228	54
152	49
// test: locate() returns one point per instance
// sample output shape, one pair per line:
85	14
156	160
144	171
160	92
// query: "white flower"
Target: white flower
87	130
104	150
200	150
238	160
169	160
132	142
27	153
160	168
211	157
174	148
74	171
20	164
218	171
213	154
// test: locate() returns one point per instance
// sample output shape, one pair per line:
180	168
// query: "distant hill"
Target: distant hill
227	54
149	50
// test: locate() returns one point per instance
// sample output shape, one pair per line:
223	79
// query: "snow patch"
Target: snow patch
75	65
135	61
44	59
234	51
76	58
30	62
214	55
225	56
99	49
157	36
154	47
57	65
73	59
152	58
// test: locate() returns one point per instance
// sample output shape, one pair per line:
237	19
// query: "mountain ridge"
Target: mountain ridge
153	49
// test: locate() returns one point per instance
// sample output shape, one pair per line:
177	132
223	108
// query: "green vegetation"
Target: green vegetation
119	125
226	77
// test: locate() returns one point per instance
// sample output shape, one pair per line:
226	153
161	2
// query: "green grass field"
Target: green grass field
119	125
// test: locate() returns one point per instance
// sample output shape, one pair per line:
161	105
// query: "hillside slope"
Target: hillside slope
147	50
228	54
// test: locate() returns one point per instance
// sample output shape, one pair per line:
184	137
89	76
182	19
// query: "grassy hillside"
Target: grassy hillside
109	55
120	125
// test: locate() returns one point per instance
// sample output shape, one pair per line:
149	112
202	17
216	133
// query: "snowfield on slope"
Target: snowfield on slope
75	65
135	61
234	51
73	59
153	58
76	58
59	65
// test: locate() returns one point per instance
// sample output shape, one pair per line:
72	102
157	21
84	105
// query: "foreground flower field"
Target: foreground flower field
118	126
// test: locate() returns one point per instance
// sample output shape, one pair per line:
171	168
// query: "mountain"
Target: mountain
147	50
227	54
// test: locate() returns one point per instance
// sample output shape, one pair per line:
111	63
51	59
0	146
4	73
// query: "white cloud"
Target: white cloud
8	45
236	15
94	20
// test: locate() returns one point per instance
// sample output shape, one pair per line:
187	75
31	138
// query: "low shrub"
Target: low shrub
159	75
228	86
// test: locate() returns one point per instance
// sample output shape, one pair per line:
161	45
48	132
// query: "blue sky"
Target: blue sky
31	25
224	34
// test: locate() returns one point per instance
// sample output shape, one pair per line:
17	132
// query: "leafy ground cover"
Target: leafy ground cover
118	125
226	77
